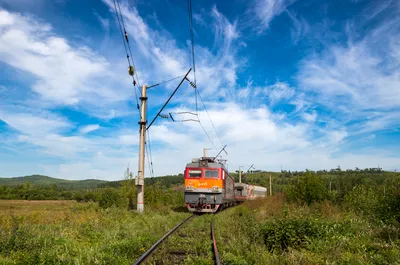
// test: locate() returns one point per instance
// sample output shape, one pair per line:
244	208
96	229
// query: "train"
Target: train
209	187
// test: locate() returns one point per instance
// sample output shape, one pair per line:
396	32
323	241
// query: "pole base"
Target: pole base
140	208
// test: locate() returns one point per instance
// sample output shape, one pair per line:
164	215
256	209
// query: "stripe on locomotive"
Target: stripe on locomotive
204	183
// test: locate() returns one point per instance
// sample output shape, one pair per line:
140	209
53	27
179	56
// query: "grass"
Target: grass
269	231
272	231
72	233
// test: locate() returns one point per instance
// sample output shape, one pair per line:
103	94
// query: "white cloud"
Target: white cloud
347	80
300	27
266	10
64	74
356	75
37	124
168	60
89	128
310	117
5	18
358	81
279	91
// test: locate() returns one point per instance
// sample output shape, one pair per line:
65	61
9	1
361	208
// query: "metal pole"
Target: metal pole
140	176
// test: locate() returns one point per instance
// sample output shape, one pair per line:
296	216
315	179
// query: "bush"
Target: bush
284	233
78	197
308	188
375	202
110	197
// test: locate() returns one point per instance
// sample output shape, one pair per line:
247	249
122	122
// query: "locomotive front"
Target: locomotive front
207	186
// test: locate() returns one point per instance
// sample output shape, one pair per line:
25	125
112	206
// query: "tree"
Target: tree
309	188
129	189
110	197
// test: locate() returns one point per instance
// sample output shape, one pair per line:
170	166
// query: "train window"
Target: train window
194	173
211	174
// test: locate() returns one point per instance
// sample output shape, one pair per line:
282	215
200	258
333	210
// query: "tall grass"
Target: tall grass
79	234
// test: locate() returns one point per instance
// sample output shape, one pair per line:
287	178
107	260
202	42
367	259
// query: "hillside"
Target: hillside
40	180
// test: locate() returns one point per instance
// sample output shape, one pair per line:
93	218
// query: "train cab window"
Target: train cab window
212	174
194	174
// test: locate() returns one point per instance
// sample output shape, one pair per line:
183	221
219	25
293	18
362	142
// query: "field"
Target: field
270	231
67	232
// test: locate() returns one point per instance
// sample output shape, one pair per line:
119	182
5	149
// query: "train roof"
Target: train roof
242	185
206	162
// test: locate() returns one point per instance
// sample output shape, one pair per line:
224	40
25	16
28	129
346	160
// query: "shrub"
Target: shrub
78	197
375	202
110	197
308	188
281	234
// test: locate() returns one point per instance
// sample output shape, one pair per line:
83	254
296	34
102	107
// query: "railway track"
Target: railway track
192	243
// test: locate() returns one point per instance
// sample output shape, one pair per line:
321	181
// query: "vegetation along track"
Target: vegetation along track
188	244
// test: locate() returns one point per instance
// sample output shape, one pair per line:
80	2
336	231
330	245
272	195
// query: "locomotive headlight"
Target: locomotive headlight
189	188
215	188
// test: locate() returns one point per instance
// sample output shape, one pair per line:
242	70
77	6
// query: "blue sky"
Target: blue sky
292	84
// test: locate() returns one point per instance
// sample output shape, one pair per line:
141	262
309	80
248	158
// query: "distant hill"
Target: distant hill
40	180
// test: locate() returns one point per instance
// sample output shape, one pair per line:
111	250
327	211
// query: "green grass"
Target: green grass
80	234
274	232
270	231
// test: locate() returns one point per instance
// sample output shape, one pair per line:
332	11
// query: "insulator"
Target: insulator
131	70
191	83
134	82
126	36
164	116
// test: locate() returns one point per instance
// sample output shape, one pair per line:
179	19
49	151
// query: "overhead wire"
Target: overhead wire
151	156
197	93
127	41
209	138
129	56
190	14
204	106
127	48
166	81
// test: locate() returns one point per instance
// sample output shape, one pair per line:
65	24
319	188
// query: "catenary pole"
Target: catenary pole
142	142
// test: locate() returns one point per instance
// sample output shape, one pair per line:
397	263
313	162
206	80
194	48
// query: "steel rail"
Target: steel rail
214	243
150	250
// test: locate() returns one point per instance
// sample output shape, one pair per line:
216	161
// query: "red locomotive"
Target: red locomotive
209	186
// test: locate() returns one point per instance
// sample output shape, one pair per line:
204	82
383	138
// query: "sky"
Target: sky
286	84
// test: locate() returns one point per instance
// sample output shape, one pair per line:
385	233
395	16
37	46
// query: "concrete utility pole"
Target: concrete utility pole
240	175
140	177
139	181
270	185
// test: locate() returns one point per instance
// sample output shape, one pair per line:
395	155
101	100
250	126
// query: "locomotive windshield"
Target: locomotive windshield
211	174
194	173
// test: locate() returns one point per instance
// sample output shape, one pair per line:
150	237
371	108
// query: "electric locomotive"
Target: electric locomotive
208	185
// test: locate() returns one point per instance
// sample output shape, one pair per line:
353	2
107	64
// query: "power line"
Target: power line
127	41
129	57
121	26
151	156
148	160
219	138
207	134
166	81
190	14
165	104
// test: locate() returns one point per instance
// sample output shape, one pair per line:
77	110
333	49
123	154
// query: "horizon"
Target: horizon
290	84
234	172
